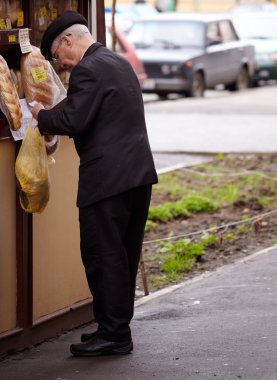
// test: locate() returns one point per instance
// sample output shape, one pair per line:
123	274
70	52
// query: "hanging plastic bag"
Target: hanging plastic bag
31	170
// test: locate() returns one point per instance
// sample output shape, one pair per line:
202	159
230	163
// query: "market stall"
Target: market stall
39	296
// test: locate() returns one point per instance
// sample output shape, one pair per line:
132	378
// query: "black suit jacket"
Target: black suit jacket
104	114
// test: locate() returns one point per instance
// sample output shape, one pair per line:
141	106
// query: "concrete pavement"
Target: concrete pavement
221	325
221	122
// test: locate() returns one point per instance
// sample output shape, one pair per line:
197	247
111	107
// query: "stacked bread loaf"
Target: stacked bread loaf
16	77
9	99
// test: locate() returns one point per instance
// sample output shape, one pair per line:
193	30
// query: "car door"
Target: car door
215	55
232	51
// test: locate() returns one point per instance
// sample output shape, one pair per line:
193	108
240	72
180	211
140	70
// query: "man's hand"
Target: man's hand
35	109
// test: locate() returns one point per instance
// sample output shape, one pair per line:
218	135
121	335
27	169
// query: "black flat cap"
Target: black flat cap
62	22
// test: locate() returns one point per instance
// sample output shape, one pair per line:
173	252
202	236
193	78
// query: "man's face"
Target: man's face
64	53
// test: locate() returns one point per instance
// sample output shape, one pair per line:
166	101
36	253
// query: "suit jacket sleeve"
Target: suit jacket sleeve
83	101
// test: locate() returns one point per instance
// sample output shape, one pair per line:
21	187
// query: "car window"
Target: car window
226	31
167	34
213	33
259	26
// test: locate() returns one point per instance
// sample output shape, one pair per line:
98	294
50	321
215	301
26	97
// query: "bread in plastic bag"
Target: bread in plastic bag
41	84
9	100
32	173
39	80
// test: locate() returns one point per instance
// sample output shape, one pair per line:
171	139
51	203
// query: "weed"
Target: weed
150	226
180	255
188	204
245	218
244	228
209	240
219	156
159	281
229	237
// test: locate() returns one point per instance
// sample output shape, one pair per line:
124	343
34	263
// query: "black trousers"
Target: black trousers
112	233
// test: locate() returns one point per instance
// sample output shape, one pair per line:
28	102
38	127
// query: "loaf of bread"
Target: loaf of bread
9	100
12	9
32	173
3	12
38	80
16	77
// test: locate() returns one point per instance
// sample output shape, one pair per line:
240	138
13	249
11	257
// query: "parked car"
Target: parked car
260	29
187	54
126	50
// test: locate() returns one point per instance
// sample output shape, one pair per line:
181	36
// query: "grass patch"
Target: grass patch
188	204
179	256
223	193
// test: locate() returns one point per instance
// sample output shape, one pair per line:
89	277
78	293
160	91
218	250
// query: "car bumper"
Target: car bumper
153	85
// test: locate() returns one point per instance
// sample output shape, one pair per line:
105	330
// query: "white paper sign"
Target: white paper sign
24	41
8	23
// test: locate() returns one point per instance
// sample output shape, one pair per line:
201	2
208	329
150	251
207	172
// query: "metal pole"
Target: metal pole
94	19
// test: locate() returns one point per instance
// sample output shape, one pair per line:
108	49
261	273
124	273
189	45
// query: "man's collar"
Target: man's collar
91	49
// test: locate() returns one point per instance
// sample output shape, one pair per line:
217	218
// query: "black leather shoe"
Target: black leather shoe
99	346
88	336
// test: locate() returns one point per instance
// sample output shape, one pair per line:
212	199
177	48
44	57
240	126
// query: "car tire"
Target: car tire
254	83
242	82
197	87
162	95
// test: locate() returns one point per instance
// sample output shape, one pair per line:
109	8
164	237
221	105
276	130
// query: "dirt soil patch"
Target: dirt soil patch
244	187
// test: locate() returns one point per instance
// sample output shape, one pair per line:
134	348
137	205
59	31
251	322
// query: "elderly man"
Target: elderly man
104	114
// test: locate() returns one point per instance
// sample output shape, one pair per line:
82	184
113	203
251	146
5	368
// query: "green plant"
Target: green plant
227	193
180	255
220	156
166	212
159	281
209	240
245	217
229	237
244	228
171	210
197	203
149	226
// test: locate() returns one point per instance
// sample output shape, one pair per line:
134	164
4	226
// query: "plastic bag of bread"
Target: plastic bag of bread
32	173
39	80
9	100
41	84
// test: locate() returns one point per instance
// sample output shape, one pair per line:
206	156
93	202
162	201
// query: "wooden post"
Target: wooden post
113	25
143	275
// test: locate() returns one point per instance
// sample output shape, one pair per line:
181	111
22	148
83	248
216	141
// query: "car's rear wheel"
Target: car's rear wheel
197	87
242	82
162	95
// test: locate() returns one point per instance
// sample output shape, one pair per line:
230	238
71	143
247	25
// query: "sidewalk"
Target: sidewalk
221	325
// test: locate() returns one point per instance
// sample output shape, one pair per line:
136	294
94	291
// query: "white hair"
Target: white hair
76	30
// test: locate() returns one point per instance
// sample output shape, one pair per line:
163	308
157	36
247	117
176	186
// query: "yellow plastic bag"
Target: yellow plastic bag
31	170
